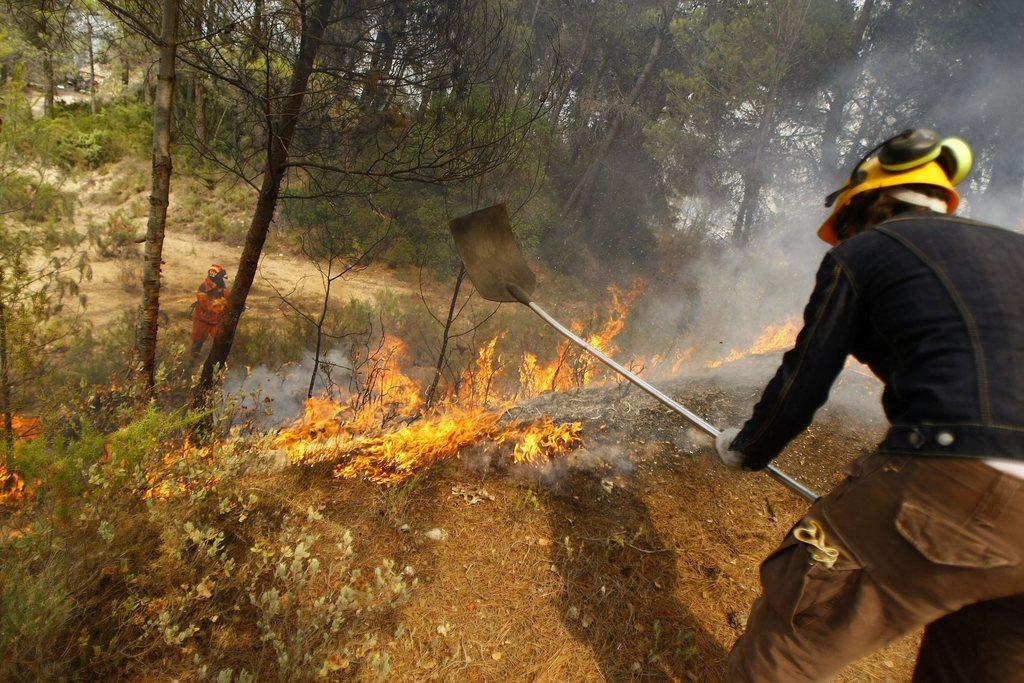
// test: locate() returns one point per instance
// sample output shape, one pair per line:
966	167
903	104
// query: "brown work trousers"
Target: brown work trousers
923	542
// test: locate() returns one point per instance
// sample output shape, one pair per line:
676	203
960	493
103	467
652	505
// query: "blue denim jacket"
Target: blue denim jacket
934	305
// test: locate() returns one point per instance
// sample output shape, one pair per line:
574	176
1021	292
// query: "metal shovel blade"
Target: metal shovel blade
492	257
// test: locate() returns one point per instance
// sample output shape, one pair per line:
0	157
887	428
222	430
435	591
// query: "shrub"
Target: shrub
36	201
131	178
74	138
172	556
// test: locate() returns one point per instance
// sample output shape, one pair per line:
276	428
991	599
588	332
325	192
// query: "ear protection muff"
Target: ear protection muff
912	148
916	147
909	149
956	159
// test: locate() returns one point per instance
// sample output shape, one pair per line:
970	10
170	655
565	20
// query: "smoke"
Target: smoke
265	398
722	299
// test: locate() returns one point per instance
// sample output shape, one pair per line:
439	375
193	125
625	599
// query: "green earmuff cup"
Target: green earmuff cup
956	159
913	148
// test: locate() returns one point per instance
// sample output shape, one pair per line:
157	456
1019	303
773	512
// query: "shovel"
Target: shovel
499	272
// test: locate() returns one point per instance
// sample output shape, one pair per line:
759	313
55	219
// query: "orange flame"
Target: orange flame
387	440
26	428
385	431
571	368
773	338
12	486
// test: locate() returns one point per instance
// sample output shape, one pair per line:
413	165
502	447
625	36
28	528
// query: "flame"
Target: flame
386	432
571	367
25	428
773	338
776	338
541	440
170	478
12	486
394	456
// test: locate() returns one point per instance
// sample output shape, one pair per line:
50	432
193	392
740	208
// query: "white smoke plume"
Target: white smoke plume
265	397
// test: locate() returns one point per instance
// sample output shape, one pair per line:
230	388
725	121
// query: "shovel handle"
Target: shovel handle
779	476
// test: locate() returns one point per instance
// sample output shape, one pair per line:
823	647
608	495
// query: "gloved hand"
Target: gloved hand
731	459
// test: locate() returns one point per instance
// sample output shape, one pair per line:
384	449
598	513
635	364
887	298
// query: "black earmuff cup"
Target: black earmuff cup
908	147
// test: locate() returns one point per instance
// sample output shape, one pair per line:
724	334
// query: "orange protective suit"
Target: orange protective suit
211	302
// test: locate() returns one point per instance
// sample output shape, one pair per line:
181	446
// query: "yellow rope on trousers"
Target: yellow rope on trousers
811	533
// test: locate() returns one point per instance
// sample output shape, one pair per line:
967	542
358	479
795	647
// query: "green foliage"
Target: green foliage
100	355
213	225
75	139
165	550
215	211
36	610
273	342
132	177
35	200
40	267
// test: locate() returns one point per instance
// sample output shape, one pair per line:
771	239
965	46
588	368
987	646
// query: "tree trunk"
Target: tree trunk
49	84
204	19
380	64
753	174
199	96
559	103
442	355
328	281
279	138
6	409
580	194
125	61
149	319
146	93
841	97
92	67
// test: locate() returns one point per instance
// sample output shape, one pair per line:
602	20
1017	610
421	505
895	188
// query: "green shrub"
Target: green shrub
176	556
212	225
131	178
36	610
75	138
36	201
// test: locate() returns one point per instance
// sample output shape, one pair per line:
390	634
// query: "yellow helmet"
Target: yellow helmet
914	157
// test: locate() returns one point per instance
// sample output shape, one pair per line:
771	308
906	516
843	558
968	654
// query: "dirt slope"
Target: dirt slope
113	288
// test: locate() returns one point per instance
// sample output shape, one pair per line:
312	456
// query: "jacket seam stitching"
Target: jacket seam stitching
883	448
981	373
848	273
927	217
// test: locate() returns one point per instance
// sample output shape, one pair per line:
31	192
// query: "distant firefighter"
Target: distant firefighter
211	302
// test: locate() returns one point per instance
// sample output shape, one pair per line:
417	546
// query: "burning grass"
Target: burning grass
772	339
386	432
